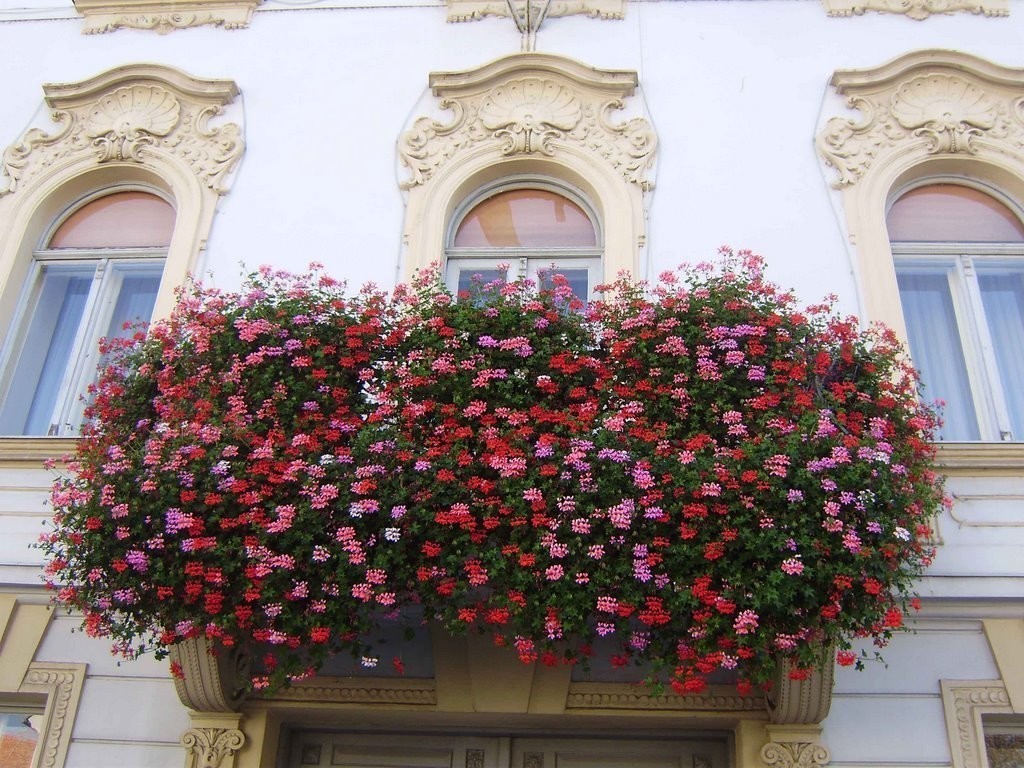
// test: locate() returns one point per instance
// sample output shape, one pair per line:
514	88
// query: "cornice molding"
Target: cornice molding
627	696
958	459
35	451
531	104
918	10
474	10
354	691
964	702
162	16
926	103
145	114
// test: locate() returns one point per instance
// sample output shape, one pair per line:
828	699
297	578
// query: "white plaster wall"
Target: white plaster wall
736	91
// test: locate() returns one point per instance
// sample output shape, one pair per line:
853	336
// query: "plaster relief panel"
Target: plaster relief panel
162	16
917	9
528	104
145	114
930	103
472	10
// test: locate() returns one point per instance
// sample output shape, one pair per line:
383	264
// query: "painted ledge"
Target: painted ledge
163	16
980	458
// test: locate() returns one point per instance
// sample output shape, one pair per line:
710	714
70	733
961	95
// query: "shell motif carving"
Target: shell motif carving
946	110
526	114
127	120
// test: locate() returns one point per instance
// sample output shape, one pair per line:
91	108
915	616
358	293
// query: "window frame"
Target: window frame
109	267
524	263
961	260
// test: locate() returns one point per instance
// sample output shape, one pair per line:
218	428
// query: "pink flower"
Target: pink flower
745	623
793	566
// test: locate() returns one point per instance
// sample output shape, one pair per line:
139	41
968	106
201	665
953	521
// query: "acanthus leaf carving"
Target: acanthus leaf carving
161	23
126	118
531	115
210	746
918	103
427	145
794	754
16	164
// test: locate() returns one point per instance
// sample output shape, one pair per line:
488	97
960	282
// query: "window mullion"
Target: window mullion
989	396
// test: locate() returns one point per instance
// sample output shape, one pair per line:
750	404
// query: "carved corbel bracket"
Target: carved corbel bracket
144	114
928	102
802	701
209	681
531	104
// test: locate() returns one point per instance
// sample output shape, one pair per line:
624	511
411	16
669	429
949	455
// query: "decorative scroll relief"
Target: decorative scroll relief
209	747
162	16
132	117
473	10
938	102
917	9
794	754
531	115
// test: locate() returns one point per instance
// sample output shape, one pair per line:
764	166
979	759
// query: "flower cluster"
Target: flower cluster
698	473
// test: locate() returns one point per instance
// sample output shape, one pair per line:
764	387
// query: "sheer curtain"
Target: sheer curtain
936	349
1002	293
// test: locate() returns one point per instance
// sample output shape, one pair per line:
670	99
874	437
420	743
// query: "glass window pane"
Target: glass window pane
1002	293
936	349
135	297
45	352
578	280
471	280
949	213
120	220
18	737
526	218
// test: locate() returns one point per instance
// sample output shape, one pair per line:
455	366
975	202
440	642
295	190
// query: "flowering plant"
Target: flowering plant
698	472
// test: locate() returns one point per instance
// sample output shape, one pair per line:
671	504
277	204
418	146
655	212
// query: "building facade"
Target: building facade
872	149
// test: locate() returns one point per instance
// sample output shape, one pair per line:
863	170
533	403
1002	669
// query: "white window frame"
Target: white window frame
524	263
961	262
109	267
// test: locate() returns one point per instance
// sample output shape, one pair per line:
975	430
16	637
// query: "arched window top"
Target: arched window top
526	218
129	219
951	213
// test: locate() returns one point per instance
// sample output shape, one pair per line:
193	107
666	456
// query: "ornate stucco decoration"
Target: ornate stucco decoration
62	686
964	702
931	102
163	16
528	115
532	103
210	747
917	9
597	696
133	113
794	754
472	10
931	114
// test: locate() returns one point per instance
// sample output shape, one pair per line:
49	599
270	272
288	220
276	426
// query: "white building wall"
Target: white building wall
736	91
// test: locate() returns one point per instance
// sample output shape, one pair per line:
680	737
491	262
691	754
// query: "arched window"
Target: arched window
959	255
535	228
97	269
